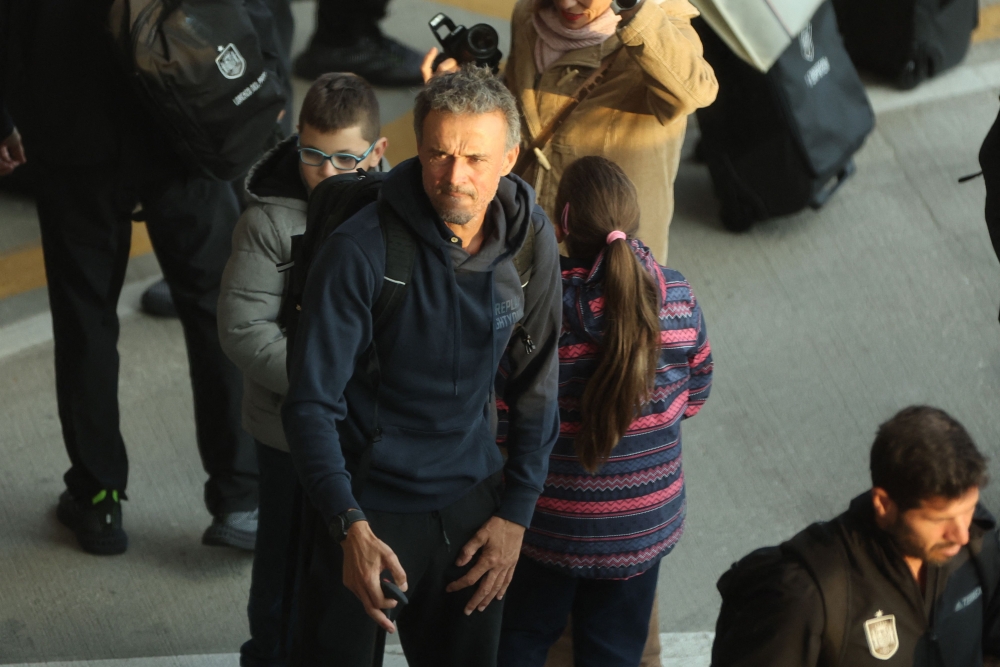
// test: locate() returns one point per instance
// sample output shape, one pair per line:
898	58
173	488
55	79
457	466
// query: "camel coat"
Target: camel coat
636	116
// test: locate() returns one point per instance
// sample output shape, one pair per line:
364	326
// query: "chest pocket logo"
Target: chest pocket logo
883	641
969	599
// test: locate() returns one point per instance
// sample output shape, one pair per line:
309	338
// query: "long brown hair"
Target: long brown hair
602	199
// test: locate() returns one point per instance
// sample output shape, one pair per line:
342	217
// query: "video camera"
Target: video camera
478	44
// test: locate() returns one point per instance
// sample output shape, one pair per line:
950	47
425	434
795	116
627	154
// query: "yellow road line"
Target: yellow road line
24	270
501	9
989	25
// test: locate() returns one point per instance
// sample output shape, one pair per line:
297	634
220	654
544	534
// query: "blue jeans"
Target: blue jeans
269	634
610	617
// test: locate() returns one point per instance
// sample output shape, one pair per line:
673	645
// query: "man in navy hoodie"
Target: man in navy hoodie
440	508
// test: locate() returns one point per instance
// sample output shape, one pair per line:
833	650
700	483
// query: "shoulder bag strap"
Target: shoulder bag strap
534	150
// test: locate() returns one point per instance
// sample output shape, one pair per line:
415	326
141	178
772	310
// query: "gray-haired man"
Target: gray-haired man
434	510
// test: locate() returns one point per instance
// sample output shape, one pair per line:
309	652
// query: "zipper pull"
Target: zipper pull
529	344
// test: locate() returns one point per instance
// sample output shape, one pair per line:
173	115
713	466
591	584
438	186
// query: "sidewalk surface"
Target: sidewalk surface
823	325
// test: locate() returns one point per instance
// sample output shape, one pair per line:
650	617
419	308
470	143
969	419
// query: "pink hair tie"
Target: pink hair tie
615	235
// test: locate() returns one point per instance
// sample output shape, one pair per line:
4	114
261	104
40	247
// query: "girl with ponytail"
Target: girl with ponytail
634	361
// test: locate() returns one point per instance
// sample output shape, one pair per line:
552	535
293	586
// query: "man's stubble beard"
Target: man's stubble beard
456	215
905	541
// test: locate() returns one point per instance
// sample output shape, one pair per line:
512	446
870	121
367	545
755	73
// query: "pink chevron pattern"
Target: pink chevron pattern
614	482
622	506
578	351
704	353
679	336
620	561
675	310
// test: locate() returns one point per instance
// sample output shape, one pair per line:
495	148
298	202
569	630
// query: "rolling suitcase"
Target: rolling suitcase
906	41
777	142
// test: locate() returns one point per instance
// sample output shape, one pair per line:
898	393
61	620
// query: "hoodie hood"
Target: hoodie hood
583	289
275	178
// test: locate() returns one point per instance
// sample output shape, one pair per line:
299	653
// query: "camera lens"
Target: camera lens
483	39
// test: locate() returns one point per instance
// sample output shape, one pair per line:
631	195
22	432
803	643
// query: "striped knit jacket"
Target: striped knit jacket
621	521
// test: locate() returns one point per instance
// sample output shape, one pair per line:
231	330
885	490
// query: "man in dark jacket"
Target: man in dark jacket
907	575
96	154
435	514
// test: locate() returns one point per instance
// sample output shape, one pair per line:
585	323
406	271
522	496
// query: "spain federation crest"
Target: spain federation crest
230	62
883	642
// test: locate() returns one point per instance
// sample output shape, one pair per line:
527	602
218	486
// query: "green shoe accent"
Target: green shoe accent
99	497
114	496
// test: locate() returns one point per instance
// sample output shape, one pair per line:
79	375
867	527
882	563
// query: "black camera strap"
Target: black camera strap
533	153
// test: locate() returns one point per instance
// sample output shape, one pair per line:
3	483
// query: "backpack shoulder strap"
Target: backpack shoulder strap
822	553
524	260
400	253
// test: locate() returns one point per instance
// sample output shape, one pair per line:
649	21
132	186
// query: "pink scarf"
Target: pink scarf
554	39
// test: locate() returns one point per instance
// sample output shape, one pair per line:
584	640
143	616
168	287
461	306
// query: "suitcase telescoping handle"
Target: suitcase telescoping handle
821	197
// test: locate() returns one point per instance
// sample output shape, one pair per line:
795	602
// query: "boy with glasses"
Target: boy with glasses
338	133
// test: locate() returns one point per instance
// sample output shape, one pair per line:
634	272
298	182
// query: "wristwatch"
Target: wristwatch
344	521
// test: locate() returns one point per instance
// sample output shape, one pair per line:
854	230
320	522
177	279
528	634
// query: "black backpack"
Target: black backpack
206	72
332	202
775	143
745	587
907	41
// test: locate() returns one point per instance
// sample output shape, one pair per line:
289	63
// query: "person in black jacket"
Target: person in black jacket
97	154
432	509
909	572
989	160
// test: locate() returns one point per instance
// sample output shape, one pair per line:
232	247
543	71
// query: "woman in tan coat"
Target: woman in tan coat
637	113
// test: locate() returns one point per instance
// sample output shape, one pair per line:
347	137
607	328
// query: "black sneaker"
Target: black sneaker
381	60
236	529
157	300
97	523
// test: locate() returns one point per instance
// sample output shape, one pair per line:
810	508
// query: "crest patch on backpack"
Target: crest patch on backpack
230	62
883	641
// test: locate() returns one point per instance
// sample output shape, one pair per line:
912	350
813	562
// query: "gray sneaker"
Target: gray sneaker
236	529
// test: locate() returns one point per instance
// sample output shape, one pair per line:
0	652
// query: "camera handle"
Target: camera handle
437	22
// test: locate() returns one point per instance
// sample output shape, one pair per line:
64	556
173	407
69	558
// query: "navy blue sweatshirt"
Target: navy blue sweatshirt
438	354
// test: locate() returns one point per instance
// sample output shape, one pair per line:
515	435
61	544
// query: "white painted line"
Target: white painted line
37	329
680	649
962	80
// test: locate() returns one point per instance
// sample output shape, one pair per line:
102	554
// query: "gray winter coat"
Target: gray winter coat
252	287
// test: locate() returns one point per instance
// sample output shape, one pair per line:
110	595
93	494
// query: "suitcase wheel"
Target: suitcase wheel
823	196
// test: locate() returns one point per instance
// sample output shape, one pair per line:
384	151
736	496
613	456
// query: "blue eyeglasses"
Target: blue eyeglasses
341	161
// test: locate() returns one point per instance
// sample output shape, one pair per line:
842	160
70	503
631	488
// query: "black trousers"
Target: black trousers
284	29
84	213
433	628
269	597
341	22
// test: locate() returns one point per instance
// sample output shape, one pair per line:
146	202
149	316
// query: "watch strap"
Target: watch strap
345	520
